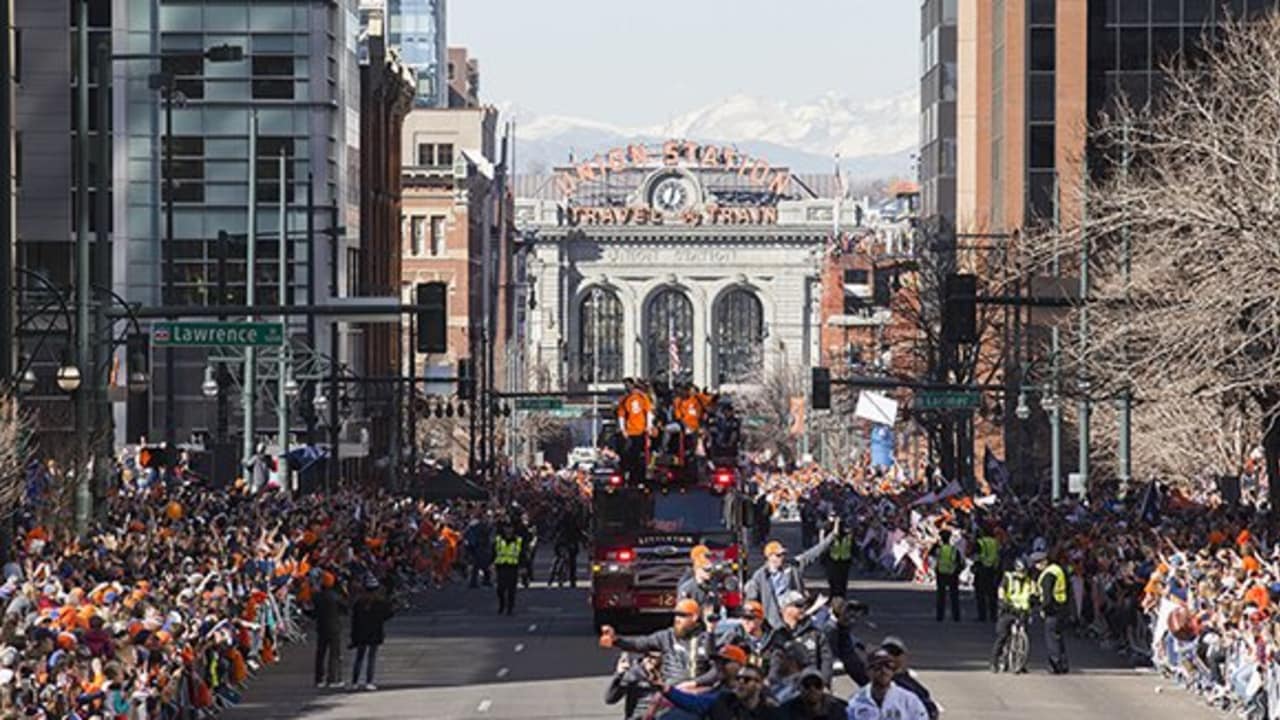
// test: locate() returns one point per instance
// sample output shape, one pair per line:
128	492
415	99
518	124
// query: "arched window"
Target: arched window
669	312
600	337
739	334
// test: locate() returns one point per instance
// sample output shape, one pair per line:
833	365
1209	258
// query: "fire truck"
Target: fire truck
642	537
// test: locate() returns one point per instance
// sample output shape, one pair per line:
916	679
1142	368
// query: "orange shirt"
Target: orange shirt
1250	563
1258	596
689	411
633	413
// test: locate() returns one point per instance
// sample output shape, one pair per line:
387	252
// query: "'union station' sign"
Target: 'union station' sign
672	153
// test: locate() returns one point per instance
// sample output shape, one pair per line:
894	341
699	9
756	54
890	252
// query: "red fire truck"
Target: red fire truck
642	537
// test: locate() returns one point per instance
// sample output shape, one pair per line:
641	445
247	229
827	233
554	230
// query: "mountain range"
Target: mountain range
875	139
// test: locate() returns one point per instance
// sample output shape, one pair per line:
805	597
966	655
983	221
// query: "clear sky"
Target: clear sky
635	62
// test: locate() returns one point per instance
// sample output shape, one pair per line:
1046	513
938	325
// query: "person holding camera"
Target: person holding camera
702	584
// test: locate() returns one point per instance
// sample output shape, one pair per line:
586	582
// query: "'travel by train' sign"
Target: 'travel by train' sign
708	215
674	153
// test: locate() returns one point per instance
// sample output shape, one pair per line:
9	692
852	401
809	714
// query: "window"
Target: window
17	158
853	305
1042	146
1043	49
426	154
273	77
437	235
188	169
856	276
188	73
444	155
417	227
269	149
668	324
600	337
739	335
882	295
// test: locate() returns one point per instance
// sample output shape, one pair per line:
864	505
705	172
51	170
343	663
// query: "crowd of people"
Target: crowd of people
177	597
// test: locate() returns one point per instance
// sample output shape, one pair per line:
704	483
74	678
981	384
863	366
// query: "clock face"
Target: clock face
671	195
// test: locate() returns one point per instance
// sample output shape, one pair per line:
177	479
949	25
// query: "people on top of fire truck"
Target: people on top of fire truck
685	646
781	575
635	417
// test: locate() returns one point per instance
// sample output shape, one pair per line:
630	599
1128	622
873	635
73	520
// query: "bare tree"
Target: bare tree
14	452
764	402
1189	186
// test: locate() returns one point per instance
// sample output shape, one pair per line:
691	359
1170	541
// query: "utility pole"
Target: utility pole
170	266
1055	349
223	411
1125	402
335	456
84	357
8	286
1083	380
250	290
309	399
102	333
282	365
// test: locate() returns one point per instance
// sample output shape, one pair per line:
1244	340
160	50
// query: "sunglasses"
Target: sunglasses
749	679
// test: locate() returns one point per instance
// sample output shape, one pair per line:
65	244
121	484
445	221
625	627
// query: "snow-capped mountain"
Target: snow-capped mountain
873	139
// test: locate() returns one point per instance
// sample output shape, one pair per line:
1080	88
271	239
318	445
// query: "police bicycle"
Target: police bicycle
1013	658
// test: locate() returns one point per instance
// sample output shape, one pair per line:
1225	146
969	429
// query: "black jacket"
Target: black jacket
368	616
908	682
328	613
633	688
682	659
834	709
820	656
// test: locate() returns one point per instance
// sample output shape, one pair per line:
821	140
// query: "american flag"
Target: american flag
673	347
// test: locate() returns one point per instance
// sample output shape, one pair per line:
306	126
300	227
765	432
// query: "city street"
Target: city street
454	658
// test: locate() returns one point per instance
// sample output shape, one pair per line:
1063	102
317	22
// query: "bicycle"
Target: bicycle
1016	649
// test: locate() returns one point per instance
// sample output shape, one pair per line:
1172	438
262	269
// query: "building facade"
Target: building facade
417	31
676	260
938	84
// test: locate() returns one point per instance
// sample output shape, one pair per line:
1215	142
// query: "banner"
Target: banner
876	407
882	446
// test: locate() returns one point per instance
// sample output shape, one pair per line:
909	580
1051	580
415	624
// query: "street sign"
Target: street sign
946	400
566	413
539	403
213	334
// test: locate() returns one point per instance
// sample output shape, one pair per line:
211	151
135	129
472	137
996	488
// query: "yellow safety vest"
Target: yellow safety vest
947	557
507	551
842	548
988	551
1017	591
1059	583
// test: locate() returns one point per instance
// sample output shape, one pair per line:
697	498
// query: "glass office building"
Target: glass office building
937	172
417	31
300	76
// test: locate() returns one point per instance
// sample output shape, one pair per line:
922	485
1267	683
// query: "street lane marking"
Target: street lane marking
533	627
503	672
519	647
484	706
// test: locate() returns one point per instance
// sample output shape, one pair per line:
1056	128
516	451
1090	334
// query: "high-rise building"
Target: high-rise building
1035	74
417	30
937	169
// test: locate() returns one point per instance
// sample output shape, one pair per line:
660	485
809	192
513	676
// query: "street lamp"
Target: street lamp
1022	411
321	402
27	382
210	385
290	384
69	377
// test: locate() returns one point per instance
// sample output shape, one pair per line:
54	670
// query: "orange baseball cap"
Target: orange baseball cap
774	548
733	653
700	555
753	609
688	606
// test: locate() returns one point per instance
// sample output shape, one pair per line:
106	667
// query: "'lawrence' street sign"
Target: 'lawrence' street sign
211	334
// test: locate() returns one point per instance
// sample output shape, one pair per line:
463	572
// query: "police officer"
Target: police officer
506	564
1017	590
839	557
947	571
985	572
1052	591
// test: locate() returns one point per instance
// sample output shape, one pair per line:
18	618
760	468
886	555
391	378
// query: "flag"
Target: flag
996	472
1149	510
673	348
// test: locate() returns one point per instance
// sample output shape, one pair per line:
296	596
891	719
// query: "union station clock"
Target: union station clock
671	193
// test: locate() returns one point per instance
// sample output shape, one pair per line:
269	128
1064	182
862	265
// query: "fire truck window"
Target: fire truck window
655	512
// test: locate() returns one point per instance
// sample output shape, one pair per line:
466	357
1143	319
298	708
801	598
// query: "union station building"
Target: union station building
648	252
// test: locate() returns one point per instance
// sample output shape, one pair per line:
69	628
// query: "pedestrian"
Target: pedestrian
947	573
506	567
882	698
839	557
528	534
369	615
568	540
986	572
328	610
1052	591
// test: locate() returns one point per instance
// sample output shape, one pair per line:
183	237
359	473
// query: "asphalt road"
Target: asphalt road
453	657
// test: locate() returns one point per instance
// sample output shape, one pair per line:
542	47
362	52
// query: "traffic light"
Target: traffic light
466	380
155	456
433	320
820	394
960	308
